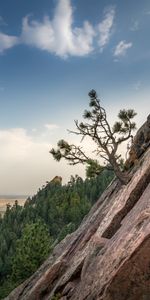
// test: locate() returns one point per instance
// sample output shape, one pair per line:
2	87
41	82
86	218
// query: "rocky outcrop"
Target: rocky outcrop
140	143
56	180
108	257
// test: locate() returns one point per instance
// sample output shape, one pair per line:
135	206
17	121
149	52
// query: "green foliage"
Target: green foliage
125	115
56	296
6	287
31	250
125	125
92	94
93	168
56	154
28	234
64	147
87	114
117	127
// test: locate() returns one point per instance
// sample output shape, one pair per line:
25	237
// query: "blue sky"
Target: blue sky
51	54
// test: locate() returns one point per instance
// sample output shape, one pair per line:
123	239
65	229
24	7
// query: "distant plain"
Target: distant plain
4	200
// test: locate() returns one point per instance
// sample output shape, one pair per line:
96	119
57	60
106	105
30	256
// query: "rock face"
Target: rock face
140	143
108	257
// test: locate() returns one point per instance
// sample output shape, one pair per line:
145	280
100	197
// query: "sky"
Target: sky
52	53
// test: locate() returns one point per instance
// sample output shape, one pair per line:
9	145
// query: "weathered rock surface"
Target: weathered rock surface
108	257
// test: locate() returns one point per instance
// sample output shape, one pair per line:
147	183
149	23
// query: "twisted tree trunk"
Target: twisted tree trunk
122	176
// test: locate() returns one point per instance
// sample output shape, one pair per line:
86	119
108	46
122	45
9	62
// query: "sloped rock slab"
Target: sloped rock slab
108	257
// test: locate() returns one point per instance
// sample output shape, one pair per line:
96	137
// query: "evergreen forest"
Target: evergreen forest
28	234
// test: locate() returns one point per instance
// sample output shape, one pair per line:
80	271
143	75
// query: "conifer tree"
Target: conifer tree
107	139
32	248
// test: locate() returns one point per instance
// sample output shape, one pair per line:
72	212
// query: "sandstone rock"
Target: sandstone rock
108	257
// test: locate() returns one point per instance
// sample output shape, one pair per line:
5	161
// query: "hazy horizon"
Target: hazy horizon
10	196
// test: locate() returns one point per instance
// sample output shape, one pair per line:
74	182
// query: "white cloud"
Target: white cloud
58	35
14	144
34	129
7	41
121	48
51	126
105	28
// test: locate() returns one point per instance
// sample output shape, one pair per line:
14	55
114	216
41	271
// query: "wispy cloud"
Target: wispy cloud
105	27
7	41
122	48
59	36
137	85
34	130
135	25
51	126
147	12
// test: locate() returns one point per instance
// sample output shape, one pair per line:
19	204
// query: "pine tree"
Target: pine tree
32	249
106	138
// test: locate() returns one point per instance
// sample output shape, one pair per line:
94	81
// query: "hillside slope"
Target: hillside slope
108	256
